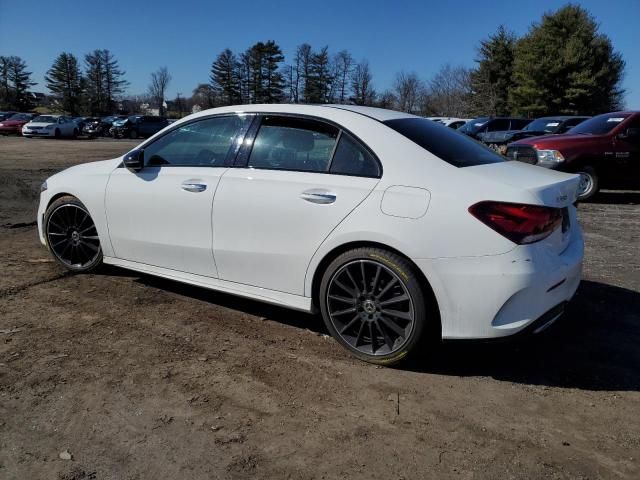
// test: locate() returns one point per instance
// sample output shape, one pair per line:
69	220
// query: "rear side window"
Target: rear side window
351	158
498	125
288	143
449	145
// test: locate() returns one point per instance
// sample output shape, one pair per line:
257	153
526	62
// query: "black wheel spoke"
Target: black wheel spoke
401	298
359	312
387	288
385	335
340	298
351	291
352	280
397	314
351	323
92	247
387	322
346	310
374	284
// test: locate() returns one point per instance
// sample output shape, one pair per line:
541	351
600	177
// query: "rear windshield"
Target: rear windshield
599	125
449	145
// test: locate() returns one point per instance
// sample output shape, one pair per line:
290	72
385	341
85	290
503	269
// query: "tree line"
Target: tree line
562	65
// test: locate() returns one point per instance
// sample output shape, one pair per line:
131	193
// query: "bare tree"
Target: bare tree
449	92
159	82
362	84
408	88
342	67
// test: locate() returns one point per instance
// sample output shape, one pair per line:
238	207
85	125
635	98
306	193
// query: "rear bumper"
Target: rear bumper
503	295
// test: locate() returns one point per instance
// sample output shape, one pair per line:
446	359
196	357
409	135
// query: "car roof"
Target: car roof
379	114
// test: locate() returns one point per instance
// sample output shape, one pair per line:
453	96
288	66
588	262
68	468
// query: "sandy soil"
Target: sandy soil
139	378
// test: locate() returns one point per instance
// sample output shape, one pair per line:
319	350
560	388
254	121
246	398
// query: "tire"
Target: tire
57	133
589	183
356	293
71	235
133	134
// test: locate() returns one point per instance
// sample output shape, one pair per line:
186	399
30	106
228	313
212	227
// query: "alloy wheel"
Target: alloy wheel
72	236
370	307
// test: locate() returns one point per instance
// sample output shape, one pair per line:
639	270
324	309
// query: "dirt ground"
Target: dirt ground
139	378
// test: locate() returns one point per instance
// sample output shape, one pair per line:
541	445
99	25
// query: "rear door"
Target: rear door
297	182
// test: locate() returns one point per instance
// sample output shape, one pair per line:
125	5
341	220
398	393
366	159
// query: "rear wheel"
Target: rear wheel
373	304
71	235
589	183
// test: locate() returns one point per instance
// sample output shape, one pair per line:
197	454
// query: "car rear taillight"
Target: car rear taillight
520	223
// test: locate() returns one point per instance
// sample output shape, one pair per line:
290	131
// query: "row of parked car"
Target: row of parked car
58	126
604	150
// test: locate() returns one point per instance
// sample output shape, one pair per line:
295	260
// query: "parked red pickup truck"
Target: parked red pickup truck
604	151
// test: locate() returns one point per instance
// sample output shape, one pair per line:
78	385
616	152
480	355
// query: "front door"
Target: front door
301	179
161	215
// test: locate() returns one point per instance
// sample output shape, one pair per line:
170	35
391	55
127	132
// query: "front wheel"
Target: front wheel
373	304
133	134
589	183
71	235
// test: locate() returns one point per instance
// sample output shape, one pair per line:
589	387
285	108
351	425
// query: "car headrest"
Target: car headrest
299	140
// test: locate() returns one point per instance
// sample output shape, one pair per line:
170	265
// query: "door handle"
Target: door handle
194	187
317	195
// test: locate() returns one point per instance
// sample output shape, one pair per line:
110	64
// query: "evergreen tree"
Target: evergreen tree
104	81
492	81
15	82
64	80
563	65
264	81
318	80
225	77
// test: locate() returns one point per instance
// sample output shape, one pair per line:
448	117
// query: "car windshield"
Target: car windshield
46	119
549	125
451	146
599	125
474	125
134	118
20	116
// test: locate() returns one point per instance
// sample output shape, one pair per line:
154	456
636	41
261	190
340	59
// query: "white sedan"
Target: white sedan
50	126
396	229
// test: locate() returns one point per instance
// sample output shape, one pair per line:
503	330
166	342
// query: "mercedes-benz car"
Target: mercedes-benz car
50	126
395	229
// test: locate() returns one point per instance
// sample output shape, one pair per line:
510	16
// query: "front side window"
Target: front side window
205	143
288	143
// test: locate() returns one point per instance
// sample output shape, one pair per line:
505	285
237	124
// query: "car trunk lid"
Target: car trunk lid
545	187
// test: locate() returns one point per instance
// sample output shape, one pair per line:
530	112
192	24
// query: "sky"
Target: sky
186	35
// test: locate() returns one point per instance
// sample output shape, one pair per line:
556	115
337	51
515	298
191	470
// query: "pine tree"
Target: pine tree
563	65
225	79
273	87
492	81
264	81
15	82
64	80
318	79
104	81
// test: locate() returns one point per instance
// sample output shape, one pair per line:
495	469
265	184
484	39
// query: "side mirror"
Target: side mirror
134	160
